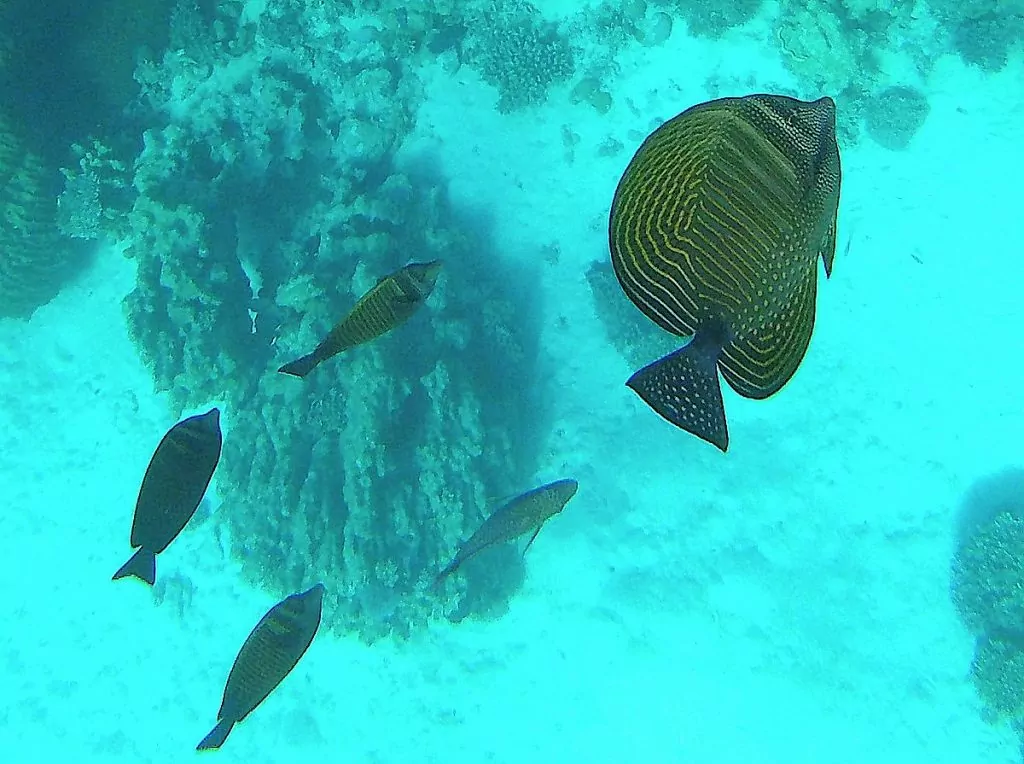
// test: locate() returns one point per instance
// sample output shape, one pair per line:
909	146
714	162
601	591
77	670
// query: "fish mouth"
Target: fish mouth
569	485
317	590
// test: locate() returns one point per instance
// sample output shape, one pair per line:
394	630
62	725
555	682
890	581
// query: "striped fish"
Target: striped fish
715	231
388	305
526	512
267	656
176	479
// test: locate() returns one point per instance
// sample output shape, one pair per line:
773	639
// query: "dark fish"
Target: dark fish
175	481
388	305
269	653
526	512
715	231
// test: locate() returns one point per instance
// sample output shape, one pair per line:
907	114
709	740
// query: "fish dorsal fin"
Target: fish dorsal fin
497	502
370	293
828	248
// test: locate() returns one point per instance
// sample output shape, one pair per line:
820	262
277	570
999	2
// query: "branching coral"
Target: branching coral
517	52
96	195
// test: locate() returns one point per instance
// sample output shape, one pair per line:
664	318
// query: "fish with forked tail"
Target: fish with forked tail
267	656
175	482
526	512
390	303
715	231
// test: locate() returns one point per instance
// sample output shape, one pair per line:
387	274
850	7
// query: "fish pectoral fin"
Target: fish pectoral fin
534	536
683	388
406	299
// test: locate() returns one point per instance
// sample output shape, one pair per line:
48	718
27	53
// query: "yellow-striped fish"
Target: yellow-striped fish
715	231
388	305
526	512
267	656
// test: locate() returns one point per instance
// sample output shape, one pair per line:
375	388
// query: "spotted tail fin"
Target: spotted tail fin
683	387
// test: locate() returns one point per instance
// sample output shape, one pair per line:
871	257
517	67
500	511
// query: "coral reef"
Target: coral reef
894	115
65	75
271	195
838	48
986	41
983	32
998	674
517	51
34	262
97	195
713	18
988	577
987	589
71	65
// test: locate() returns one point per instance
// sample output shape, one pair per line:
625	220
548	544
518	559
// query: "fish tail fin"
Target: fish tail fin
141	565
301	366
217	736
683	387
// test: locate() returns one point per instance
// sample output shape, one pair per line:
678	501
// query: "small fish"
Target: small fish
715	231
388	305
524	513
267	656
175	482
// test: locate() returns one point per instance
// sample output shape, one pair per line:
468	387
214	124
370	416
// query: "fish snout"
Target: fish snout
819	116
433	269
316	592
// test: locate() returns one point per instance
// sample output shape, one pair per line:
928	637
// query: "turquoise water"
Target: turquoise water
788	601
